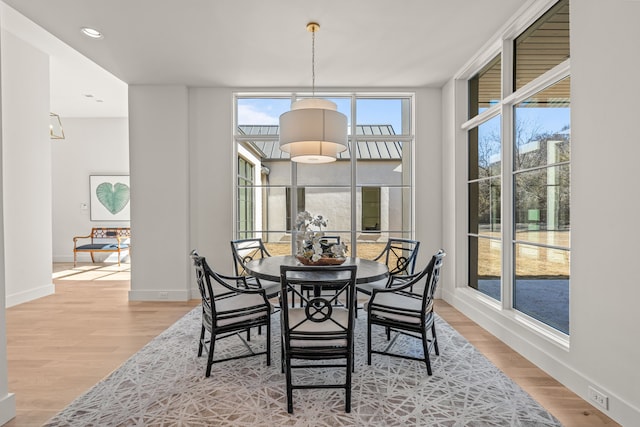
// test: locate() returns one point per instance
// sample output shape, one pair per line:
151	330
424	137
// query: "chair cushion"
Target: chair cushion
339	315
398	303
238	302
115	246
271	288
98	246
368	288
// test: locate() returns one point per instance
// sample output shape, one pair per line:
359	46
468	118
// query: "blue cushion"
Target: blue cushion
98	246
115	246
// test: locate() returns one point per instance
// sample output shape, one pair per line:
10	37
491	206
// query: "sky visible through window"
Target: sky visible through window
267	111
552	120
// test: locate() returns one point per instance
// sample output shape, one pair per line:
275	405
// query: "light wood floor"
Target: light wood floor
60	345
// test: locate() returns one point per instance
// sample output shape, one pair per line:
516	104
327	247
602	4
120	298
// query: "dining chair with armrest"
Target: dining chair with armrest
319	330
228	308
399	309
400	255
245	250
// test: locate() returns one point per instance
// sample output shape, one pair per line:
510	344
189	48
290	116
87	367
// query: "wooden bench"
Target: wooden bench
104	239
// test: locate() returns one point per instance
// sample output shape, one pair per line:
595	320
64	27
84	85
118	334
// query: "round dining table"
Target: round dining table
269	268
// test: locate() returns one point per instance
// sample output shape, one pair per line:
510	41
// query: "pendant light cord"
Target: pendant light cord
313	64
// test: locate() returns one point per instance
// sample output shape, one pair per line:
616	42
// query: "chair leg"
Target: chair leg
289	385
353	358
268	326
368	340
200	345
355	309
435	339
347	390
212	345
425	347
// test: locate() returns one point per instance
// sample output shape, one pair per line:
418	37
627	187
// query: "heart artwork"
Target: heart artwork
114	197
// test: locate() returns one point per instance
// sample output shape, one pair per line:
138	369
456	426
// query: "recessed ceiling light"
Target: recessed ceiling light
91	32
88	95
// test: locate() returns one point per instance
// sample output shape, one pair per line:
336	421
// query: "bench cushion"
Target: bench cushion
99	246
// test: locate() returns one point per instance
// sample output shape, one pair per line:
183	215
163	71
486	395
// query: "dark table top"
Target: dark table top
269	268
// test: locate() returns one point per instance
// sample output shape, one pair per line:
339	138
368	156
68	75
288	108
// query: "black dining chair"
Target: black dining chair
227	309
400	255
245	250
398	309
320	330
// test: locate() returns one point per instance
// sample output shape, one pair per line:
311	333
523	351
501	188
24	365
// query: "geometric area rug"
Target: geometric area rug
164	385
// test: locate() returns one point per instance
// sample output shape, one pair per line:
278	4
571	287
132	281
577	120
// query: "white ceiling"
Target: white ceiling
250	44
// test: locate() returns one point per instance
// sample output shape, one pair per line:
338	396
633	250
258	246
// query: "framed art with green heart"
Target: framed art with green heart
109	197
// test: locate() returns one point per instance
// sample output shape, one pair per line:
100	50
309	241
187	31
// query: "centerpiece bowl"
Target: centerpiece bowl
321	261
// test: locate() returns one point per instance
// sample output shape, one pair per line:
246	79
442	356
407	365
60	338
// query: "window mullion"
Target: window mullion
354	174
507	177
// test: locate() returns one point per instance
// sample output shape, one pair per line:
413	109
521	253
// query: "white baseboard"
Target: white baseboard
30	295
83	257
159	295
7	408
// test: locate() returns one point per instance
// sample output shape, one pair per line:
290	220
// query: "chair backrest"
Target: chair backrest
321	322
425	283
433	276
327	241
204	284
400	255
330	240
245	250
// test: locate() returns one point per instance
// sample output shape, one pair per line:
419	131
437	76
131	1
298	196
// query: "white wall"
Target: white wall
159	158
604	211
428	173
211	175
7	400
91	147
26	170
604	346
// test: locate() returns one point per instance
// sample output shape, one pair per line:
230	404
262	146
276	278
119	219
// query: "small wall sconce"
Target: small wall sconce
55	127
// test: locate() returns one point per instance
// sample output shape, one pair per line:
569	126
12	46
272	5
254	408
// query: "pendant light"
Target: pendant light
313	131
55	127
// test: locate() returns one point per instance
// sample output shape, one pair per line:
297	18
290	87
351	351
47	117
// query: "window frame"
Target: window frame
504	44
406	186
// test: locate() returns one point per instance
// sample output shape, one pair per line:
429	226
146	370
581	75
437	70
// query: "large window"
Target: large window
366	194
519	170
485	237
541	206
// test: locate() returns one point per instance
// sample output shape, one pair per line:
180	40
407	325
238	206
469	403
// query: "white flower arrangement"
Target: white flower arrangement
310	239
